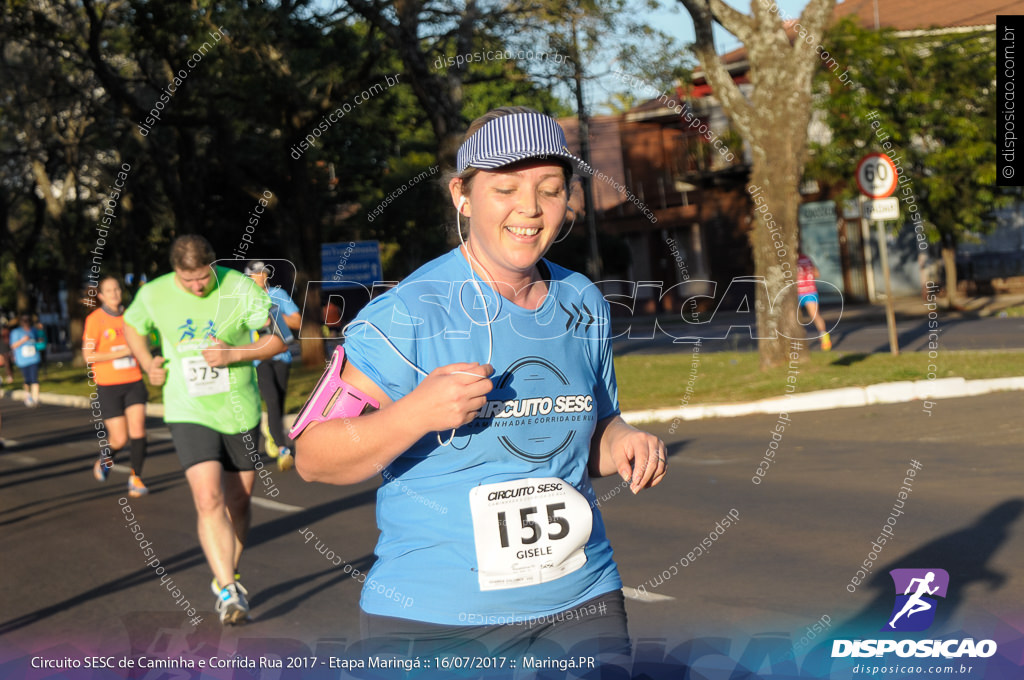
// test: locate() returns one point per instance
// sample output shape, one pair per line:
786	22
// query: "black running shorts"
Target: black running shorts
114	399
596	627
237	452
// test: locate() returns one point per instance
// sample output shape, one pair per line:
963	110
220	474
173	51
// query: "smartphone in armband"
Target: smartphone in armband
333	398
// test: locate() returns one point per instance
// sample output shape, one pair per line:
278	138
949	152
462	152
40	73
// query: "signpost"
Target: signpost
876	175
881	209
877	178
350	264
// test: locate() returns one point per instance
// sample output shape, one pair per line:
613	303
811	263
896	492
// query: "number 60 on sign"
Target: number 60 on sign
876	175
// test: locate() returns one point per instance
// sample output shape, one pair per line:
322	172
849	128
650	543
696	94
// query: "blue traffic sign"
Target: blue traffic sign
344	265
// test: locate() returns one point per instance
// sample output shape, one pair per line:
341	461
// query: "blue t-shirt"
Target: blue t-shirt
281	306
26	354
501	525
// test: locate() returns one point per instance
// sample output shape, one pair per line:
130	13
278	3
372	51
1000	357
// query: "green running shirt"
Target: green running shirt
225	399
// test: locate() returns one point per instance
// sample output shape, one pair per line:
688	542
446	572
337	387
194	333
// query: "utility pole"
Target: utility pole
594	265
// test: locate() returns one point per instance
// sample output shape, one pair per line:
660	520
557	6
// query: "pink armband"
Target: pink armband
333	398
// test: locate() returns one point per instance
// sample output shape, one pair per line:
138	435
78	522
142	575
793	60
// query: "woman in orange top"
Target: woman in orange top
121	396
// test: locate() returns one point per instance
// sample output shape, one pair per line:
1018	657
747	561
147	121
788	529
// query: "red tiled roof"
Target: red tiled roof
903	15
908	15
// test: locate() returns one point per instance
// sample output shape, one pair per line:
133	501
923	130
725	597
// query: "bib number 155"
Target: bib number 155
528	531
533	531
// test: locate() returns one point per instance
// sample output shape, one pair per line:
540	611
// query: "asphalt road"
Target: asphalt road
732	333
75	579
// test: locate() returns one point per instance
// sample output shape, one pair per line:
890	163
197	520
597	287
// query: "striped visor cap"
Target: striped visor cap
514	138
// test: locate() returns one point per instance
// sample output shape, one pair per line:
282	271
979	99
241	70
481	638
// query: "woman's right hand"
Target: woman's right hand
452	395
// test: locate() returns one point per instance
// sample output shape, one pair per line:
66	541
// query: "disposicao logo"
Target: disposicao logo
914	611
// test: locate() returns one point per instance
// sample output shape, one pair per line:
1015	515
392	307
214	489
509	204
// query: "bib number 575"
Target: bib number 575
203	373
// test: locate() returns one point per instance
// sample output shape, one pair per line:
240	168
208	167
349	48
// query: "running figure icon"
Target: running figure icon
915	604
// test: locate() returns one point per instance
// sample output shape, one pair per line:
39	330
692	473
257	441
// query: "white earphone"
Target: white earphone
462	201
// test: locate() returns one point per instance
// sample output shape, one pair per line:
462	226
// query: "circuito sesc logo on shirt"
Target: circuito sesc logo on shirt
541	408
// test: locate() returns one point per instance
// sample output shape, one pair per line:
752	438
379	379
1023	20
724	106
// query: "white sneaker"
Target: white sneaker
232	605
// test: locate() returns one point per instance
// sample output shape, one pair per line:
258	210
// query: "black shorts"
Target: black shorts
237	452
114	399
596	627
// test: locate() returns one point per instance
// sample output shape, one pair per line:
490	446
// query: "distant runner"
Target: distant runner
807	289
119	386
26	358
204	314
273	374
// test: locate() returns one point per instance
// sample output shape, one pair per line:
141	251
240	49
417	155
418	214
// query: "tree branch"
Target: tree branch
722	85
814	19
737	23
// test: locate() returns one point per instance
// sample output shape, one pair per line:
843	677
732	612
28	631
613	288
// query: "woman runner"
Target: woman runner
119	386
498	404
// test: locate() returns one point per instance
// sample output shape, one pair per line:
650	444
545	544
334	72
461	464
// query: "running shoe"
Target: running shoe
285	459
100	471
232	605
268	439
215	587
29	403
135	487
826	343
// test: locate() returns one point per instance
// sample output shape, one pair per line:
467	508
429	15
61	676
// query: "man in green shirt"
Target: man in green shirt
204	314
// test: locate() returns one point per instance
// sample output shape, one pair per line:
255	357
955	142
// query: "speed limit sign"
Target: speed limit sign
876	176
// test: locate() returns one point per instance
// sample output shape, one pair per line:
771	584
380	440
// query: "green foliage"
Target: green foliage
935	101
78	80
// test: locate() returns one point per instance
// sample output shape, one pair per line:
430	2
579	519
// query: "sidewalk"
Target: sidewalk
820	400
847	397
861	312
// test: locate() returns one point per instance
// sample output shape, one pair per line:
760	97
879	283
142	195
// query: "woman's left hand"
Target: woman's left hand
640	457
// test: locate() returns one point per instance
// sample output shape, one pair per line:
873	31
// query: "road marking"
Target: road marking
643	596
256	500
274	505
19	458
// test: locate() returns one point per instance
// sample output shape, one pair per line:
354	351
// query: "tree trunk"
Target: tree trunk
777	322
949	260
773	119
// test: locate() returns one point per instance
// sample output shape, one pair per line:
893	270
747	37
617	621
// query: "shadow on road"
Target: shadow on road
33	510
919	332
193	557
964	553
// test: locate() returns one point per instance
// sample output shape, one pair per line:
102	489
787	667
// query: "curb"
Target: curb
75	401
825	400
821	400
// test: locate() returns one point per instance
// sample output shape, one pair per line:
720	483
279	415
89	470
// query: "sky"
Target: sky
674	19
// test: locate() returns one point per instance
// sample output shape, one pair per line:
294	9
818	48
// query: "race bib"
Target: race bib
123	362
28	350
528	531
202	379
